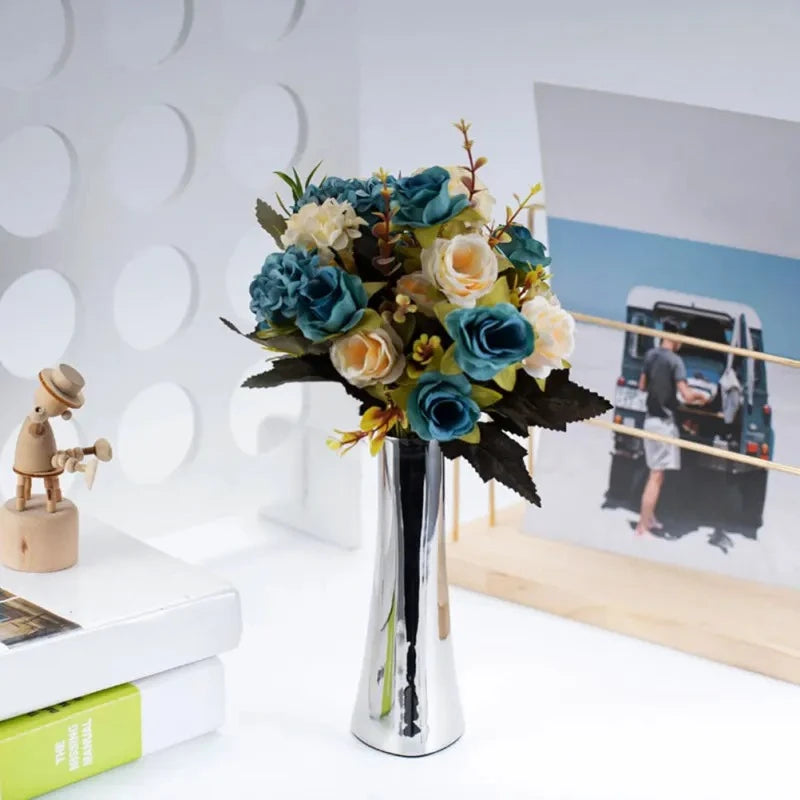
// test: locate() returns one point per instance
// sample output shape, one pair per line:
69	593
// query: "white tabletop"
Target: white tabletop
554	709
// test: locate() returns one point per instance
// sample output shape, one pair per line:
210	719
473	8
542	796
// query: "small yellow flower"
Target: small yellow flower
404	306
425	347
375	425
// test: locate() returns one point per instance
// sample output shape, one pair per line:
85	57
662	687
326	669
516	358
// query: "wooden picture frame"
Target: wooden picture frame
732	620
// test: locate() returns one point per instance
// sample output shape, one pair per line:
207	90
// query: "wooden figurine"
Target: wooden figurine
39	533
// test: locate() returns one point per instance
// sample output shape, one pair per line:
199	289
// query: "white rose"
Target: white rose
482	201
332	225
464	267
369	357
554	329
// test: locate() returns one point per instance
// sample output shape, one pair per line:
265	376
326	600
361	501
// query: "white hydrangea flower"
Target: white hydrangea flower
329	226
482	201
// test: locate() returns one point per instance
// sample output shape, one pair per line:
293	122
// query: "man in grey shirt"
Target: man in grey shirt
663	378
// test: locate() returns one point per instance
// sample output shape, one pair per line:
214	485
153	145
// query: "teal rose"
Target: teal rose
423	200
523	251
331	302
440	407
274	292
489	338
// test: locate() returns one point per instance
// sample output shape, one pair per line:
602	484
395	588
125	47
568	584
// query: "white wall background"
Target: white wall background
134	138
443	60
135	135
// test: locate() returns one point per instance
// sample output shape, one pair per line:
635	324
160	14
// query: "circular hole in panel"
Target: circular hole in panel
150	157
66	437
152	296
35	36
36	172
255	24
156	432
146	32
243	266
264	133
259	417
37	321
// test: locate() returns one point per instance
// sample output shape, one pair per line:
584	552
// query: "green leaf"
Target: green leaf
406	329
565	364
371	321
271	221
561	403
484	396
282	205
373	287
473	437
378	391
448	364
426	236
496	457
507	378
500	293
541	383
443	309
399	396
307	368
461	223
295	186
311	174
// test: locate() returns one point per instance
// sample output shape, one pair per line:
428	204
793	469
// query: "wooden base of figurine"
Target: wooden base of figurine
34	540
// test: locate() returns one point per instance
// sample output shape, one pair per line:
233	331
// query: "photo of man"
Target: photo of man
664	379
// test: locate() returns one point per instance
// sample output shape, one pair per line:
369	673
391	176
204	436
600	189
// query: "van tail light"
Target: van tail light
752	448
621	381
764	450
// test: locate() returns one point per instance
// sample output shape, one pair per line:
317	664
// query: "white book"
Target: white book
125	611
60	745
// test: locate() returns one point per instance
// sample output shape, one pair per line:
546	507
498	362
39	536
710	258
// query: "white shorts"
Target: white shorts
660	455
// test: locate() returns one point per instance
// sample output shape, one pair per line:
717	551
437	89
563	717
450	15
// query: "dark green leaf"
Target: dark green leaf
307	368
496	457
271	221
293	343
562	402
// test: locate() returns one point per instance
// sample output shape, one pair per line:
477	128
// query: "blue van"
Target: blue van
745	428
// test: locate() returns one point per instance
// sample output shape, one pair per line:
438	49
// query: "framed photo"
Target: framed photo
672	518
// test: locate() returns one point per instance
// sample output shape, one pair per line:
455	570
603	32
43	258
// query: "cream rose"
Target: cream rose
464	267
369	357
421	290
554	331
330	226
482	201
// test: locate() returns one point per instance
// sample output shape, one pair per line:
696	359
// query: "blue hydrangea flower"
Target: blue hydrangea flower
440	407
423	200
275	290
331	302
364	196
523	251
489	338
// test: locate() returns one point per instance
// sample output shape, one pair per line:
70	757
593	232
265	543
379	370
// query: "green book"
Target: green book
57	746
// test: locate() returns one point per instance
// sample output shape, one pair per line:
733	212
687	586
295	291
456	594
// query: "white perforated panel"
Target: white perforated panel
134	138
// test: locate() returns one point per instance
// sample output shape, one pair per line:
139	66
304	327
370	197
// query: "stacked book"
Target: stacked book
108	661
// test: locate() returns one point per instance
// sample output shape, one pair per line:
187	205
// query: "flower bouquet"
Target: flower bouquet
442	324
438	320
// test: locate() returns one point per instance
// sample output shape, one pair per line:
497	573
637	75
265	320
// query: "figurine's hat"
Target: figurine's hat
65	384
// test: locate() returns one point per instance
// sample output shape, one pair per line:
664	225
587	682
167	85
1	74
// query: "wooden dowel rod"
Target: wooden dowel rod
456	499
715	452
691	340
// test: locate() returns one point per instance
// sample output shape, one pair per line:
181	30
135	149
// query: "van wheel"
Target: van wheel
625	480
752	493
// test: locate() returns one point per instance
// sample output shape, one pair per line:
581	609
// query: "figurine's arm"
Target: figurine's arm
67	460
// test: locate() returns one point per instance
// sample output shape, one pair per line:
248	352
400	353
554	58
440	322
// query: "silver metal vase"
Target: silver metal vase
408	702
